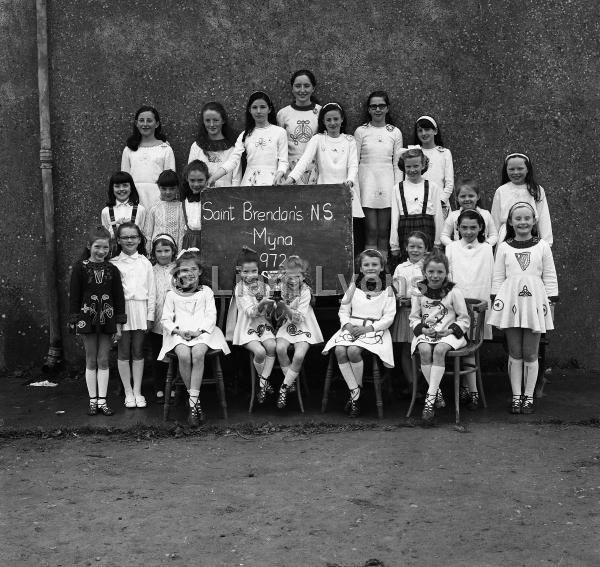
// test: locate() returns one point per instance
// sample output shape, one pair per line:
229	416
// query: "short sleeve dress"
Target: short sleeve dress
302	326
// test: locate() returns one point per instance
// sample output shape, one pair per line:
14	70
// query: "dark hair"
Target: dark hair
202	138
116	179
370	253
471	184
510	229
194	165
420	235
95	233
311	78
160	239
250	124
328	108
168	178
378	94
133	142
471	214
438	257
412	153
142	243
247	256
532	185
424	123
187	257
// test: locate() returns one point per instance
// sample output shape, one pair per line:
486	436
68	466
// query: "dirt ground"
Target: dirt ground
508	493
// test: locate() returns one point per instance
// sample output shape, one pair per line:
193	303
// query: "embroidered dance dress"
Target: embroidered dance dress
524	279
440	170
303	326
214	155
96	300
337	162
244	321
440	313
471	267
145	165
507	195
360	308
165	217
406	276
192	216
300	123
191	312
112	217
450	230
266	154
378	151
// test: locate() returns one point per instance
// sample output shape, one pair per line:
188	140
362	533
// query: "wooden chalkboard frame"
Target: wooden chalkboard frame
312	221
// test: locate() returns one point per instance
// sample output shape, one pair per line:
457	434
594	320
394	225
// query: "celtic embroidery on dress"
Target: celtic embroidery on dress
293	331
372	338
260	330
525	292
498	305
302	133
524	259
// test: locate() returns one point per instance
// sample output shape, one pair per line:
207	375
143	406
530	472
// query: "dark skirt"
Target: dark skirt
191	239
407	225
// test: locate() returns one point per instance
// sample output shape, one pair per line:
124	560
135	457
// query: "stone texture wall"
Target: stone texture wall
500	76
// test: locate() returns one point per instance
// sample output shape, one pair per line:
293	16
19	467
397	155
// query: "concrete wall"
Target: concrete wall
501	76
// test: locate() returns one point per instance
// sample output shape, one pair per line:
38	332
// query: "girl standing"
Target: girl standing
123	203
265	145
378	145
215	142
523	285
166	216
519	186
189	321
297	323
471	262
138	288
195	176
441	167
439	320
406	275
300	121
334	152
366	313
248	320
164	252
416	205
146	154
467	196
97	313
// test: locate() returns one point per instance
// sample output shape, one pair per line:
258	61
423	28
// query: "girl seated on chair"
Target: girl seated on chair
249	319
297	323
189	322
366	313
439	320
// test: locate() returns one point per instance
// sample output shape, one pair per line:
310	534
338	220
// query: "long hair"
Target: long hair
328	108
510	229
311	78
472	214
133	142
426	123
117	179
202	138
250	123
532	185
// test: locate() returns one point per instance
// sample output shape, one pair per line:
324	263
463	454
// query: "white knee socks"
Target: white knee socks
290	377
194	394
90	380
258	366
268	366
435	378
530	371
137	368
125	374
102	382
515	373
358	369
426	370
348	375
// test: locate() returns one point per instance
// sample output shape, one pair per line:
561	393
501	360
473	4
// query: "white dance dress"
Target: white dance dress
524	279
245	323
303	326
218	152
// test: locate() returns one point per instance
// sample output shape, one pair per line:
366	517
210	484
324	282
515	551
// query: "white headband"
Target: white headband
187	250
521	204
515	155
332	104
164	236
425	117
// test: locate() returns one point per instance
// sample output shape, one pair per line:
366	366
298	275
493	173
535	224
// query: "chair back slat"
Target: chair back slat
476	309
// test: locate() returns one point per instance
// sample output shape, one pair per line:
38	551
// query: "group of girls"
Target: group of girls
404	197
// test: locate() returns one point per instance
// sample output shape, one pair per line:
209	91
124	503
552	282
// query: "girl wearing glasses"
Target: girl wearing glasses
378	146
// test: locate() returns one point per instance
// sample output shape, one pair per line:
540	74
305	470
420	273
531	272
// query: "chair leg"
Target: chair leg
415	378
298	388
457	388
377	384
328	379
304	381
171	371
218	372
253	380
479	379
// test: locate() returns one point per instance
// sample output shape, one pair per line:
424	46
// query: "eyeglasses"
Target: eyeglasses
378	106
128	237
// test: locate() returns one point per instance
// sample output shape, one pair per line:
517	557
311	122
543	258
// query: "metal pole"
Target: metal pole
54	355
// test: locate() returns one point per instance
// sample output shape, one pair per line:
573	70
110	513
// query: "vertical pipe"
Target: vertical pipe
53	357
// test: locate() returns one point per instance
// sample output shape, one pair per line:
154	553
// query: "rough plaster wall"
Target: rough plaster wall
500	76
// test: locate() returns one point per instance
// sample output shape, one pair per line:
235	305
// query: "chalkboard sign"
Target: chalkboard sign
313	221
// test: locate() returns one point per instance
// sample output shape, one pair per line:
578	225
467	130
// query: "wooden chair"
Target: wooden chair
376	377
477	309
212	357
